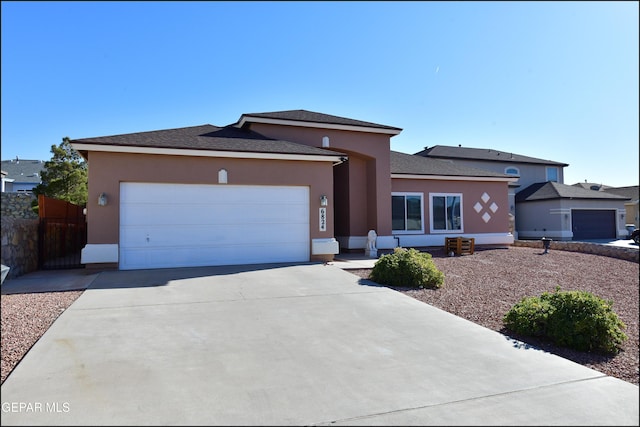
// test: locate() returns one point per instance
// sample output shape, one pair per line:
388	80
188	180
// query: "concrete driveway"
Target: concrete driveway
304	344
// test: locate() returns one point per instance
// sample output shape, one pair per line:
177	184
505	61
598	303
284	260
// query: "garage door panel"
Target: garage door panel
593	224
209	214
152	193
161	214
175	236
181	225
227	255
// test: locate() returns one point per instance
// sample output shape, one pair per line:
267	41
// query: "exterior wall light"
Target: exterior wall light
102	199
323	200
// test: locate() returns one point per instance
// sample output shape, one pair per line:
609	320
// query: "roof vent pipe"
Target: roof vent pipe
325	141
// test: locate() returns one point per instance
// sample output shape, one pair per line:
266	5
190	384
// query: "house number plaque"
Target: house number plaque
323	219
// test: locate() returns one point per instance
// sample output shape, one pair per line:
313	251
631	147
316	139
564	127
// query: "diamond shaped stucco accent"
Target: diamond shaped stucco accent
477	207
486	217
485	197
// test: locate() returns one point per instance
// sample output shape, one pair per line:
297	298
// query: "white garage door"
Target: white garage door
184	225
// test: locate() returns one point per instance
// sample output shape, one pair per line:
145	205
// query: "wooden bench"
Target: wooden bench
459	245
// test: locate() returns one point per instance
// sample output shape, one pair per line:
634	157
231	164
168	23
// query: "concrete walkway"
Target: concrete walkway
305	344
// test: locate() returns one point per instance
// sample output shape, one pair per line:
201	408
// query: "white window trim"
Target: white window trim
512	167
434	231
421	195
557	173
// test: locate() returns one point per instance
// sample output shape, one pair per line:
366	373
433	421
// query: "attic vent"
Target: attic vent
595	187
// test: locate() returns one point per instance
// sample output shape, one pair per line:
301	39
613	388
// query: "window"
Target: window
552	174
446	212
512	171
407	212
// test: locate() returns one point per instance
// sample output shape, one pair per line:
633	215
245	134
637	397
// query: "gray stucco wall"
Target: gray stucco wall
552	218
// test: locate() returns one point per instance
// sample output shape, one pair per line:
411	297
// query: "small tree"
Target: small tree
64	176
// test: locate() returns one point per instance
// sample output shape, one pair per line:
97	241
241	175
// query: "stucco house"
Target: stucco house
567	212
543	206
632	193
276	187
21	175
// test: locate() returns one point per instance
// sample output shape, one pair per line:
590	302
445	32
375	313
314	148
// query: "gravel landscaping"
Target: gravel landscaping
25	317
483	287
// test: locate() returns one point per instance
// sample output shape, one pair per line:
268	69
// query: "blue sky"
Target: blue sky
553	80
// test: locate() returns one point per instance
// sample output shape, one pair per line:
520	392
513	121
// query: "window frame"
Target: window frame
517	173
411	194
552	168
431	221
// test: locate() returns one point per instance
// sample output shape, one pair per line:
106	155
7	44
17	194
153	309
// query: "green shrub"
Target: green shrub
574	319
407	268
529	316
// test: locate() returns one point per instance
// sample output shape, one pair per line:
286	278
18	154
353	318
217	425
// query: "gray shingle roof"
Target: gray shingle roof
408	164
554	190
313	117
207	137
632	192
23	170
466	153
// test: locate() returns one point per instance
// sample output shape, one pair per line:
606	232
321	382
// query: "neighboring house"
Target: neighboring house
567	212
631	206
542	204
21	175
527	170
276	187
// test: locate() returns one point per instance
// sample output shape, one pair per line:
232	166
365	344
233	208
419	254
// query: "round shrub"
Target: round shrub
574	319
407	268
529	316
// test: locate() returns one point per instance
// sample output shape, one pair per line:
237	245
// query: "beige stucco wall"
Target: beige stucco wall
108	170
472	192
633	214
369	174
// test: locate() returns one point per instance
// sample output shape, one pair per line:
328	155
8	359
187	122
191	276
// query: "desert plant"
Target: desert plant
574	319
407	268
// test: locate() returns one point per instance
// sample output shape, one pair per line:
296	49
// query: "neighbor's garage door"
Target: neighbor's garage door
184	225
593	224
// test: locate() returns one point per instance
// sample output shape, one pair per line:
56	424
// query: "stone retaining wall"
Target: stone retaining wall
19	245
628	254
18	205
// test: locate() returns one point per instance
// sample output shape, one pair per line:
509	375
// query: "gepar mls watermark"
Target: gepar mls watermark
36	407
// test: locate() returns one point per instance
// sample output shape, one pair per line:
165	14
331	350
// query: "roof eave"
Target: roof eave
450	177
479	159
245	119
128	149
